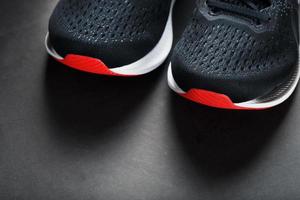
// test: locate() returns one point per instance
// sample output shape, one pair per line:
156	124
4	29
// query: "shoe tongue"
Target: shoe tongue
255	4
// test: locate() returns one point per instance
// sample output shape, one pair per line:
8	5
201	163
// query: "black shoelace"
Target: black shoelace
252	10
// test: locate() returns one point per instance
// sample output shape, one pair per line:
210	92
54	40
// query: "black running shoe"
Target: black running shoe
119	37
238	54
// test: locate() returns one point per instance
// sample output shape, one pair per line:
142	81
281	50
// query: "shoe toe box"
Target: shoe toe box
241	71
113	32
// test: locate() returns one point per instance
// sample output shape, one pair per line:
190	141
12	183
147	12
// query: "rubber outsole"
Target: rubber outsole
148	63
87	64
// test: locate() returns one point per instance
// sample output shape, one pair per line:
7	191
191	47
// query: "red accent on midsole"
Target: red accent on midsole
88	64
212	99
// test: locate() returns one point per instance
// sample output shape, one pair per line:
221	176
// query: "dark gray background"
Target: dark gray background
69	135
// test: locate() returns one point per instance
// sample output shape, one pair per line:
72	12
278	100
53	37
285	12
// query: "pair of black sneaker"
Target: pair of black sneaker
234	54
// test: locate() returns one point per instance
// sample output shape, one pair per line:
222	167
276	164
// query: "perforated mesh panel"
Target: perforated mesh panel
118	32
116	20
226	49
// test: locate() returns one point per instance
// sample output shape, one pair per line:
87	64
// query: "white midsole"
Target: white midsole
146	64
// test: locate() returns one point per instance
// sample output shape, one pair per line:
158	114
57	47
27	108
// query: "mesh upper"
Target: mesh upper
98	23
231	55
225	49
